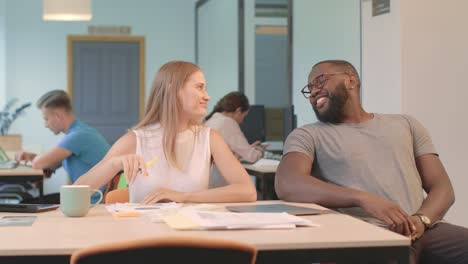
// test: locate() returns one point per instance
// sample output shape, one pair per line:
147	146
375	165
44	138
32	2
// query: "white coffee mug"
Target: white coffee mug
75	199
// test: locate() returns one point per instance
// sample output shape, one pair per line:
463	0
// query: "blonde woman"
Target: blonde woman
167	156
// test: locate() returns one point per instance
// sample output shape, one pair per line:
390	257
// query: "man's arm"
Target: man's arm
51	170
50	159
436	183
440	195
294	183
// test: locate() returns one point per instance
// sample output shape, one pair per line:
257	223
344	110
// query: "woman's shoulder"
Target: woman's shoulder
126	143
220	121
195	131
203	129
215	136
150	130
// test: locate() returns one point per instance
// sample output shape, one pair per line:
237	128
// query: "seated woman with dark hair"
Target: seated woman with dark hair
225	118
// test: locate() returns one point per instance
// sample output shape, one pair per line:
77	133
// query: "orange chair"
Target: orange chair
114	183
117	196
172	250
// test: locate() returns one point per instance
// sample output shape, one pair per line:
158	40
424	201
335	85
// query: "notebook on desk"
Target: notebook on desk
5	162
5	165
275	208
27	208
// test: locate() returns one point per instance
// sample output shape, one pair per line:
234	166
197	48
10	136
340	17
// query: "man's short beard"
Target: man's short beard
336	102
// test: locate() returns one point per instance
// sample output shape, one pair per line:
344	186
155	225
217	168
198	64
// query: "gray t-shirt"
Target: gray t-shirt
377	156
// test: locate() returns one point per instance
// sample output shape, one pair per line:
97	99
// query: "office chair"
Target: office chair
114	183
113	189
172	250
117	196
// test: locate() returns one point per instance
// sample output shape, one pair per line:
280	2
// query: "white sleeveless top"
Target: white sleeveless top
192	152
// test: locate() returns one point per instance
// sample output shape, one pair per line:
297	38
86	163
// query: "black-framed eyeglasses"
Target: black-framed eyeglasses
318	83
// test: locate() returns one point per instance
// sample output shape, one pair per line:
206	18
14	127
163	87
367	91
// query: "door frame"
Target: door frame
84	38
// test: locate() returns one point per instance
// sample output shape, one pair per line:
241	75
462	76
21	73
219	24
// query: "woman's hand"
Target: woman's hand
259	146
132	165
256	143
164	195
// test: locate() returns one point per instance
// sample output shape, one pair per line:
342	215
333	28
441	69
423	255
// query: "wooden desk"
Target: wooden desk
53	237
22	174
264	180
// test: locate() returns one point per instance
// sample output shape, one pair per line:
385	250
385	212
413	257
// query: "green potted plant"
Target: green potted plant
7	117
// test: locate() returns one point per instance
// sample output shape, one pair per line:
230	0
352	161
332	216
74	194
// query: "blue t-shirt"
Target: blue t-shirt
87	146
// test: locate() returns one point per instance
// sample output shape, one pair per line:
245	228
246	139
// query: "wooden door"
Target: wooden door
106	82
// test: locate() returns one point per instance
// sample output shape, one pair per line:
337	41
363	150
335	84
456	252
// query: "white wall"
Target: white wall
381	59
322	30
434	37
36	55
413	62
218	49
2	54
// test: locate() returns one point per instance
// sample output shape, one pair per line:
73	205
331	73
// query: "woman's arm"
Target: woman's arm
235	139
240	187
112	163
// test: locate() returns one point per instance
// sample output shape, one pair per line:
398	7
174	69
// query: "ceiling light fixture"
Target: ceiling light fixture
67	10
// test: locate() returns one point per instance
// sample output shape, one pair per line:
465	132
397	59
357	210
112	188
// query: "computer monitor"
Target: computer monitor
289	121
281	122
253	125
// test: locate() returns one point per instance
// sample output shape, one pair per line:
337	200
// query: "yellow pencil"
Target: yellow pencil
149	163
152	161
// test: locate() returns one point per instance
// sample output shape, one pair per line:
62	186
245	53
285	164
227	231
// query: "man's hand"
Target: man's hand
164	195
48	172
23	155
391	214
420	228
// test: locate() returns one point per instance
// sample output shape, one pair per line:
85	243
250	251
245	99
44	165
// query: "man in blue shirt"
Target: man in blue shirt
80	149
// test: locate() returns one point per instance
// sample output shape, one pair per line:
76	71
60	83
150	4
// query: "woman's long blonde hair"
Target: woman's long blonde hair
163	105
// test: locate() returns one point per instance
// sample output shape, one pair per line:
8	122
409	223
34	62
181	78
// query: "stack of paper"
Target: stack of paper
136	210
193	219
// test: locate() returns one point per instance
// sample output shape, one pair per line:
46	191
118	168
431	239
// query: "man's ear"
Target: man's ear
239	110
352	82
59	114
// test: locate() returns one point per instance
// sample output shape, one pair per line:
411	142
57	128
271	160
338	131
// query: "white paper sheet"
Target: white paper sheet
152	211
229	220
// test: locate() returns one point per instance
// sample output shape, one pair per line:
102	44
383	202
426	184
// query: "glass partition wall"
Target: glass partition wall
266	48
218	32
244	46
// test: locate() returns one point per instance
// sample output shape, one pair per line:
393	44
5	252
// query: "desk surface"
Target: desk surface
21	170
265	179
261	169
54	234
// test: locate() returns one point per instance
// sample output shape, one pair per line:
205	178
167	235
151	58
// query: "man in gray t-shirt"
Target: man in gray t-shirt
372	166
